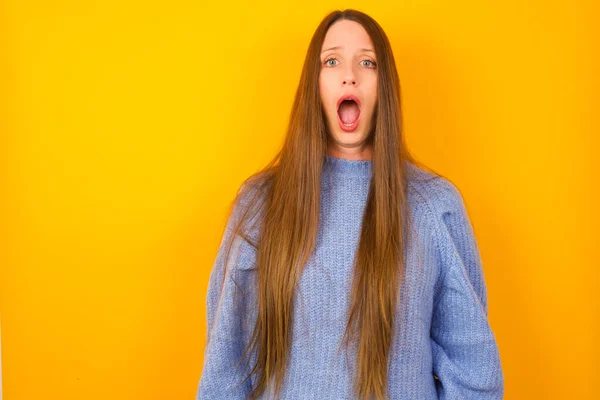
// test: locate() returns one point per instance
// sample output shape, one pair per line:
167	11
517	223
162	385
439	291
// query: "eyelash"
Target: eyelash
374	64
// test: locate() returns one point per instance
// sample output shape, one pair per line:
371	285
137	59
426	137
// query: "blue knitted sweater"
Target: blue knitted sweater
443	346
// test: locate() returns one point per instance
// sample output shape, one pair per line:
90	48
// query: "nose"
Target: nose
349	77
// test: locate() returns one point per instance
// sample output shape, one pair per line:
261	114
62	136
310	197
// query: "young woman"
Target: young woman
345	242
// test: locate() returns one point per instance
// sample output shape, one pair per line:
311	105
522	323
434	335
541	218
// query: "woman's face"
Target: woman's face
348	69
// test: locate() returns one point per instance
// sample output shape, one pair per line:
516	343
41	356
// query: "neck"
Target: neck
364	153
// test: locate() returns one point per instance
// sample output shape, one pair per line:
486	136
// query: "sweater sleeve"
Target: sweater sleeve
466	357
221	379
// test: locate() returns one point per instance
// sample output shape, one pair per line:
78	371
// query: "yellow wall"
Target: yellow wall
127	128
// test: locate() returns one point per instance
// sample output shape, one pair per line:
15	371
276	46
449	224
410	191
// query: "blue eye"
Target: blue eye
327	62
369	61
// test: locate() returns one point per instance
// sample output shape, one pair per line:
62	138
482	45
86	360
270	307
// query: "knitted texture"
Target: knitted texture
443	345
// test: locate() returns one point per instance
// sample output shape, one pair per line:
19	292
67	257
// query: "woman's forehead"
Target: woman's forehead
346	34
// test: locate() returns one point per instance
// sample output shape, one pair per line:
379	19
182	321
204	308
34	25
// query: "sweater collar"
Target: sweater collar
342	166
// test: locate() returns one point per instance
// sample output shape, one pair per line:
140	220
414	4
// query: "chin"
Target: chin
349	137
358	136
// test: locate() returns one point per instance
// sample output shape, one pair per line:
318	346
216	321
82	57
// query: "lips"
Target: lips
348	112
347	97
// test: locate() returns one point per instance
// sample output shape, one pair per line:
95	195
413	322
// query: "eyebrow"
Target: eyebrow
339	47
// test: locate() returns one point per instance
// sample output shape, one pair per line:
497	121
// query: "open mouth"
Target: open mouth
348	113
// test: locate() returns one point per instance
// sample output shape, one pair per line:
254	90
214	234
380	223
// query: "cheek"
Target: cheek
325	89
373	97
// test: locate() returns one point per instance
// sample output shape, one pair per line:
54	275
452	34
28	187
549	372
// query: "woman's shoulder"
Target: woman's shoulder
432	193
249	204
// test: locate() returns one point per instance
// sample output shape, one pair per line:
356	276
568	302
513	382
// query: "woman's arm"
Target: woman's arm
224	345
465	353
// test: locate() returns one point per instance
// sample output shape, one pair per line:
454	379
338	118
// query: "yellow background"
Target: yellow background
127	127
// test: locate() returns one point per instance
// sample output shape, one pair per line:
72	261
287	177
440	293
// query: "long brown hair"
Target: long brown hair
286	193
